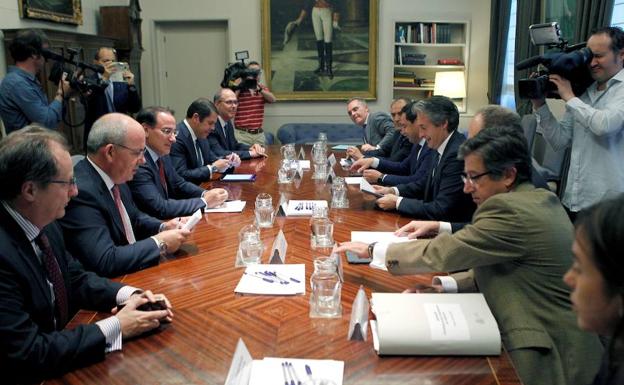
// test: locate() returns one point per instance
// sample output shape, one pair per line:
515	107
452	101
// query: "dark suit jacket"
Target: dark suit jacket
223	145
442	197
380	129
125	99
184	157
31	349
95	233
414	168
181	198
395	151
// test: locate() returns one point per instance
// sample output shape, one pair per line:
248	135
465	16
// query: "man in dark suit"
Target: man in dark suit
103	227
377	127
191	154
440	196
157	188
394	151
222	139
41	285
413	168
113	96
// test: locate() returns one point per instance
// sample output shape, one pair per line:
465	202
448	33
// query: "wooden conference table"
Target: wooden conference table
209	318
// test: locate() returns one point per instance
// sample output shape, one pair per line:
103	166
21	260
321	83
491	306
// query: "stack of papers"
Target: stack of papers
272	280
270	371
303	208
228	207
434	324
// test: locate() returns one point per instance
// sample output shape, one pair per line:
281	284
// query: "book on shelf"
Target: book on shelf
434	324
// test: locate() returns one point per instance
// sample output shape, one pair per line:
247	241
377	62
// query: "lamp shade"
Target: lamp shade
451	84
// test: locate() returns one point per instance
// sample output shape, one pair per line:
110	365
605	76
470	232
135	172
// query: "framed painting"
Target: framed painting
320	49
60	11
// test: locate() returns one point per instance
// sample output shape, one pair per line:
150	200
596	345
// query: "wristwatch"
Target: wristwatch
371	246
213	169
380	179
162	247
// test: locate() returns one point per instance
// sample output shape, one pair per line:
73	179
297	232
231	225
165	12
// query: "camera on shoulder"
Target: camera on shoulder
238	77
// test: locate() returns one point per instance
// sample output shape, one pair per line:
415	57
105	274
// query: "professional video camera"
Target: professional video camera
238	77
570	62
73	70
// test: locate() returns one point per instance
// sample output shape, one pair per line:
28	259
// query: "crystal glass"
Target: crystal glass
264	210
339	193
250	244
322	231
288	151
287	170
325	289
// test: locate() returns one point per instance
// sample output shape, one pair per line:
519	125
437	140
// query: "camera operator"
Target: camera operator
592	124
250	113
113	96
22	100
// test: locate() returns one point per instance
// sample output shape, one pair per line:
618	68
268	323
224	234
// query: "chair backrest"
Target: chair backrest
76	158
337	133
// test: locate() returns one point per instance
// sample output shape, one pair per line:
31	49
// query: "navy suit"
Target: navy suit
184	156
95	233
442	197
180	199
395	150
224	144
31	348
414	168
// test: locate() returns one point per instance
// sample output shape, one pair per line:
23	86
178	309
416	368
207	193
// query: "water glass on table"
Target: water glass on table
264	210
250	244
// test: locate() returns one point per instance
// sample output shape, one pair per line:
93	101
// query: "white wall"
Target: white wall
244	20
10	19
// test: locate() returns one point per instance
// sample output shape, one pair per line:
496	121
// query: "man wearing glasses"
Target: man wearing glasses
157	188
222	140
103	227
518	249
41	285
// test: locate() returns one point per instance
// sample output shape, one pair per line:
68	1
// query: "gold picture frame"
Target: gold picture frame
59	11
294	49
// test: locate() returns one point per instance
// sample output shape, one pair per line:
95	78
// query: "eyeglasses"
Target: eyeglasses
136	153
169	131
472	179
231	102
70	183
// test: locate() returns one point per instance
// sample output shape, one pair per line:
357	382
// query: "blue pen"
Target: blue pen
262	278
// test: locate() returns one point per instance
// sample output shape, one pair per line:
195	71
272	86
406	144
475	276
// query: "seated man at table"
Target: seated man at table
377	127
102	226
222	139
414	168
394	151
191	154
439	196
41	285
157	188
518	247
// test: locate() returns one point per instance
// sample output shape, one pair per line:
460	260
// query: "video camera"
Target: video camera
73	70
235	71
571	62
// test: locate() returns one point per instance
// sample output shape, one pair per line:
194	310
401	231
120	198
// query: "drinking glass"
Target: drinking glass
339	193
325	289
250	244
264	210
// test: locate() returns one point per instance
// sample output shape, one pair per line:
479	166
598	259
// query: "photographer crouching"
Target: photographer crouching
592	125
22	100
252	95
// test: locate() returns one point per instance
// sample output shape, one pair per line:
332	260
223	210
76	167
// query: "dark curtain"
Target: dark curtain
591	14
528	12
499	29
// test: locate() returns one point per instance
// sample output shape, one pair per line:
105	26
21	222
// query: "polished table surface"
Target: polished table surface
210	318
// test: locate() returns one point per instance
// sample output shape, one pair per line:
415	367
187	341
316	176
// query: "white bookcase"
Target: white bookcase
422	48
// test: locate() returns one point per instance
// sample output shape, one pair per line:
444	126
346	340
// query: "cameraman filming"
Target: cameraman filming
592	124
22	100
250	113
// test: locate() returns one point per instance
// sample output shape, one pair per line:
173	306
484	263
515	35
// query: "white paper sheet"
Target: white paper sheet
238	177
303	207
269	371
367	188
193	220
255	280
304	164
447	322
353	179
376	236
228	207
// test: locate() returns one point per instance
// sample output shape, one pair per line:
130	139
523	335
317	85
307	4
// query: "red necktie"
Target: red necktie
161	171
122	213
55	277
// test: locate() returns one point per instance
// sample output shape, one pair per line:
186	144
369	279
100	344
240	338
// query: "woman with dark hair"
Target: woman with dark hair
597	281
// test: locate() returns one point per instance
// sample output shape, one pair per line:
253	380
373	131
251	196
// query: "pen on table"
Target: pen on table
262	278
284	373
309	372
293	373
